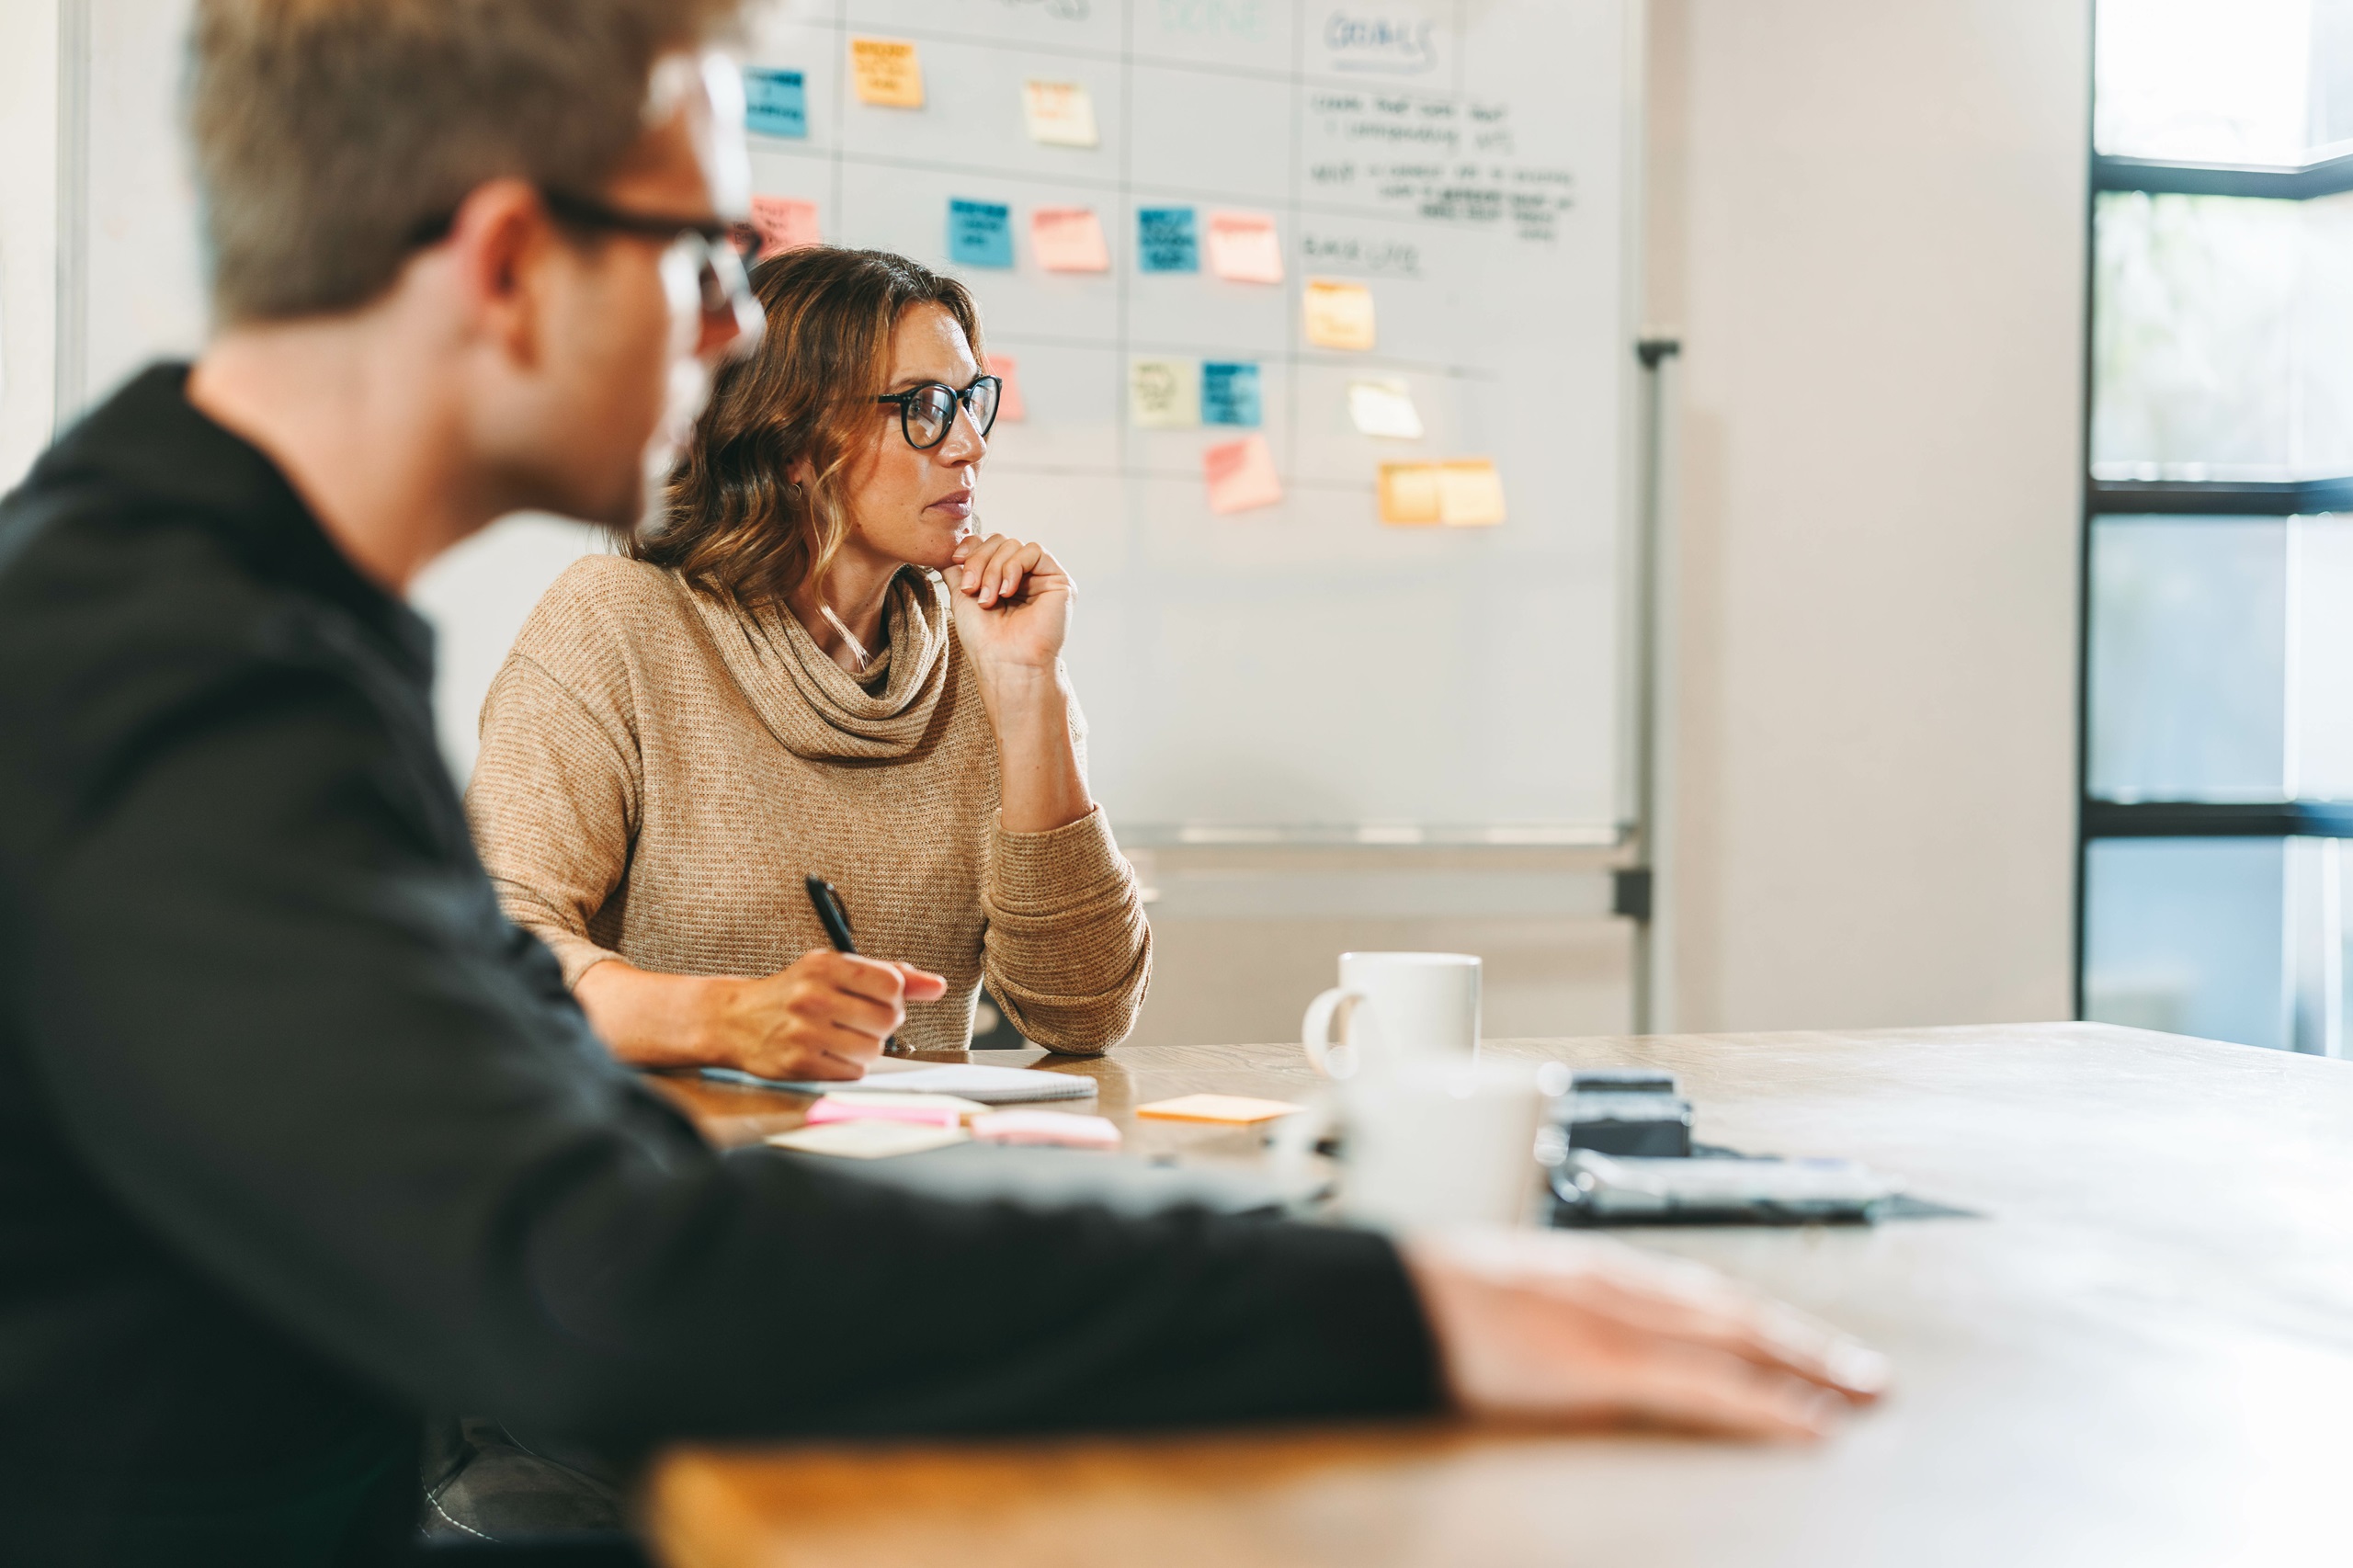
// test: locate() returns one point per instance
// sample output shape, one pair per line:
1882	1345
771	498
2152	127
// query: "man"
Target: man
298	1136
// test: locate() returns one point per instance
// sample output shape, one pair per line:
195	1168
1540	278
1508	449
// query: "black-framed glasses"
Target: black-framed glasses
927	413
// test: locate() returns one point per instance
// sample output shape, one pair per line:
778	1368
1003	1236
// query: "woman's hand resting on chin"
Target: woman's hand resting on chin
1011	602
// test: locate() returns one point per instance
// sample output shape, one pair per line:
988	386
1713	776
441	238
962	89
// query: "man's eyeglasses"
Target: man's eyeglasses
928	412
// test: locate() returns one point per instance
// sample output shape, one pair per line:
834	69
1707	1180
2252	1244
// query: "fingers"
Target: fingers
922	985
995	569
1677	1385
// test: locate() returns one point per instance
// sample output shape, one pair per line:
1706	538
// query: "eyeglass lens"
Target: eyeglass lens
930	411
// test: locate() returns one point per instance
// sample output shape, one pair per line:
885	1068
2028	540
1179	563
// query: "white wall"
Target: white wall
1867	224
28	231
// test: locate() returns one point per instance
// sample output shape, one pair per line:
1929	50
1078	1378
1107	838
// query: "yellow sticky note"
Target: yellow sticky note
888	71
1384	408
784	224
1164	394
1339	315
1005	369
1069	239
1469	493
1409	493
1217	1108
867	1139
1243	247
1060	114
1240	475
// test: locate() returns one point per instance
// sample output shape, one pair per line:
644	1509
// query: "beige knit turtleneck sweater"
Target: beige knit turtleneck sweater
659	772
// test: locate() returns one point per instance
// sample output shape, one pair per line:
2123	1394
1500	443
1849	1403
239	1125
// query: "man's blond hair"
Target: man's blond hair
331	135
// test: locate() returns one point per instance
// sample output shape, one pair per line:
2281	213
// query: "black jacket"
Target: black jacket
299	1137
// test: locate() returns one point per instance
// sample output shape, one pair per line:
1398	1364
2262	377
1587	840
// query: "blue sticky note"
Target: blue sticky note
1165	241
1230	394
775	102
979	234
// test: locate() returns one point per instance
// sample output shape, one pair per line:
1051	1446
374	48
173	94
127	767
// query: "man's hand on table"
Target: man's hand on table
1535	1325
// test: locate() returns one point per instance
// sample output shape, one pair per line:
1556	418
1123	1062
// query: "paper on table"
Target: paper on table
1469	493
1052	1127
1240	475
1069	239
1164	394
1384	408
867	1139
1409	493
992	1085
1060	114
775	103
1230	394
1243	247
1339	315
1005	369
784	224
979	234
1217	1108
1165	241
888	71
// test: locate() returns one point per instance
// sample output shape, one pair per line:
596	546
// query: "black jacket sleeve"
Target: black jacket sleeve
285	1026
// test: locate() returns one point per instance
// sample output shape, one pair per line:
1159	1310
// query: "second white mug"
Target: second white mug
1391	1009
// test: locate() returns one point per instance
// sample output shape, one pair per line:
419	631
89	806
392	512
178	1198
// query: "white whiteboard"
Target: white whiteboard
1299	671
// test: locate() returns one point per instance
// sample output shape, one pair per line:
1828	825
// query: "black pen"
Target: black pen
835	920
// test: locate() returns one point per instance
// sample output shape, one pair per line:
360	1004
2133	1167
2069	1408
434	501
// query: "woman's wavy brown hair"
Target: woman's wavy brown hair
734	526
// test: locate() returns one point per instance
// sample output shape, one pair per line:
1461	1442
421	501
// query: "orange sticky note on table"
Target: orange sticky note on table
1409	493
1469	493
1217	1107
784	224
1339	315
888	71
1005	369
1240	475
1243	247
1069	239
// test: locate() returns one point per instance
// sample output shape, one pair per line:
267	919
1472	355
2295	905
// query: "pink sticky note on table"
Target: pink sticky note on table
1069	239
1050	1127
1005	369
1243	247
784	224
830	1108
1240	475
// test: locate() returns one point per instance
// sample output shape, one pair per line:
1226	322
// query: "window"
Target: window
2218	556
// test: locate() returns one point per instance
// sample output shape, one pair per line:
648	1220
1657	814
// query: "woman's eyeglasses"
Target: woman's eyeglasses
928	412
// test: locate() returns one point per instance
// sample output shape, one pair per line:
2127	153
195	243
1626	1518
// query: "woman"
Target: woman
818	664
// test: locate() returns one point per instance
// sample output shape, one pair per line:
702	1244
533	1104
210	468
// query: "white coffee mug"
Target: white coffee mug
1440	1143
1394	1008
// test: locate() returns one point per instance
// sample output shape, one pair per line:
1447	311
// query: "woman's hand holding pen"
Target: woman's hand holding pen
825	1016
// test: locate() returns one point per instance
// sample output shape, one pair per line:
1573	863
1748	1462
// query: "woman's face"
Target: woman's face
907	506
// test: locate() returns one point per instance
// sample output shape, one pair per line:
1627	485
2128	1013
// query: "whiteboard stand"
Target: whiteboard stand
1641	885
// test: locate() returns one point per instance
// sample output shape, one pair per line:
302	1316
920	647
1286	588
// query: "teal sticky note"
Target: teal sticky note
775	102
1230	394
1165	241
979	234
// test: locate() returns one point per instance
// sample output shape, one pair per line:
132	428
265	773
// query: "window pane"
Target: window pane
2223	337
2221	80
2319	701
2189	658
2187	934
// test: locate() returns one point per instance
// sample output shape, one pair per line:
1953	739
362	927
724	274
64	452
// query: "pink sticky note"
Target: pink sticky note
1244	248
831	1109
784	224
1069	239
1046	1127
1008	398
1240	475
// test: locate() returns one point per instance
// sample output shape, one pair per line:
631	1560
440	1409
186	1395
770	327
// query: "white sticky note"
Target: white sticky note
1384	408
1240	475
1243	247
867	1139
1164	394
1060	114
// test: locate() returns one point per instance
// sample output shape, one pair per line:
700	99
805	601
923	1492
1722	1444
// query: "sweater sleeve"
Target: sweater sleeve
1067	950
553	801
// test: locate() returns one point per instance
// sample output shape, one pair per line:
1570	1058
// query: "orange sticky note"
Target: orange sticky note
1244	248
784	224
1409	493
1217	1108
1069	239
1008	397
1241	475
888	71
1339	315
1469	493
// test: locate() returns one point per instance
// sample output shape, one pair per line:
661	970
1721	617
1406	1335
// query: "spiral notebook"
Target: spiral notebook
990	1086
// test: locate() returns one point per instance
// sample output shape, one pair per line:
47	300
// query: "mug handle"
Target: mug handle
1334	1008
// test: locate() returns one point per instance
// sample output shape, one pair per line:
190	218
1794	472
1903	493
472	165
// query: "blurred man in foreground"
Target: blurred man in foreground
298	1136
